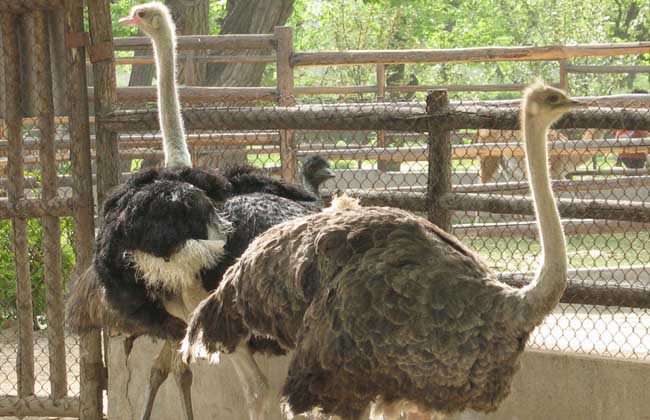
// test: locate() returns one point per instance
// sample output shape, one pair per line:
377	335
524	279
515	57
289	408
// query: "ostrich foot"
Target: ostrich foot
157	375
183	378
253	381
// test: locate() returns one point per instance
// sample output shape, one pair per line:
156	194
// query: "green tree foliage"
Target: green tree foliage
398	24
394	24
35	250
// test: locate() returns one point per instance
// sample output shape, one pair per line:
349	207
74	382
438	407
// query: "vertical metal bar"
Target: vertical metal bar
13	118
284	49
44	107
439	177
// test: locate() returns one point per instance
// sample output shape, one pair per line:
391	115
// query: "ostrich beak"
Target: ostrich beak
325	173
129	20
574	103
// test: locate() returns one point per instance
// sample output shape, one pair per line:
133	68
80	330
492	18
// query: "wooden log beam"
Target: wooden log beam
581	289
202	42
24	6
572	68
32	406
632	211
201	59
512	87
466	55
15	193
52	262
91	370
393	117
507	118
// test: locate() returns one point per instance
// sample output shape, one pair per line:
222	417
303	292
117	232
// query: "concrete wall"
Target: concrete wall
551	385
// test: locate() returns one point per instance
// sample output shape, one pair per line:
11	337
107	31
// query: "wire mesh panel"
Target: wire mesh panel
379	152
39	359
586	165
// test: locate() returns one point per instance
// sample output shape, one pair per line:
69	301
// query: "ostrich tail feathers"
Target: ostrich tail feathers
85	307
215	327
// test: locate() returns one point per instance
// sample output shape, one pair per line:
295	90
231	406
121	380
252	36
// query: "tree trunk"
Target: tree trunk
142	74
247	17
191	18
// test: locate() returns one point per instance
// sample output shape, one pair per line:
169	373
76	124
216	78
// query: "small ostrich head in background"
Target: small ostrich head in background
548	103
153	18
315	171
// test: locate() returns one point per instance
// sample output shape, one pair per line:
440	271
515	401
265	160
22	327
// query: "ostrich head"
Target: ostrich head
547	103
315	171
152	18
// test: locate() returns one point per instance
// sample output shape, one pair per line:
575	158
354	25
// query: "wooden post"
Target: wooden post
564	76
439	177
44	104
381	97
15	193
190	68
92	366
101	36
284	50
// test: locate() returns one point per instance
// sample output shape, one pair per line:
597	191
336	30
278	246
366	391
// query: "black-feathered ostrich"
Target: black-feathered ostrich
384	312
168	235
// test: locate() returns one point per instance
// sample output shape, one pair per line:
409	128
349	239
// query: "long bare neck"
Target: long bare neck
169	112
545	290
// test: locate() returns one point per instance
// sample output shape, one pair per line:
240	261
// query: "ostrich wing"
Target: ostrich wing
246	180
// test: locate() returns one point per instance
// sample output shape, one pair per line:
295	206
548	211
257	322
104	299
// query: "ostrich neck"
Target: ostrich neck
171	123
545	290
314	188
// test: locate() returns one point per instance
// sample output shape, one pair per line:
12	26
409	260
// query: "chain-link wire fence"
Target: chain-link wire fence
380	152
39	359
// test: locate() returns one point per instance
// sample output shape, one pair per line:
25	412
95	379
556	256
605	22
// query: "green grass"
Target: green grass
585	251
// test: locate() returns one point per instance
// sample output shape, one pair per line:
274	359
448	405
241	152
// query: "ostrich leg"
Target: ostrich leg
157	375
183	378
253	381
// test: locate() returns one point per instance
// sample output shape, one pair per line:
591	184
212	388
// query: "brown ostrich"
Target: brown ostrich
385	313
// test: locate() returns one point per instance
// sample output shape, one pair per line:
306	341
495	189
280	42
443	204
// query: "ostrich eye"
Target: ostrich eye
554	98
140	14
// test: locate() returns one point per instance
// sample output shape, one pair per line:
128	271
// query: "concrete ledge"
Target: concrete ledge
551	385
